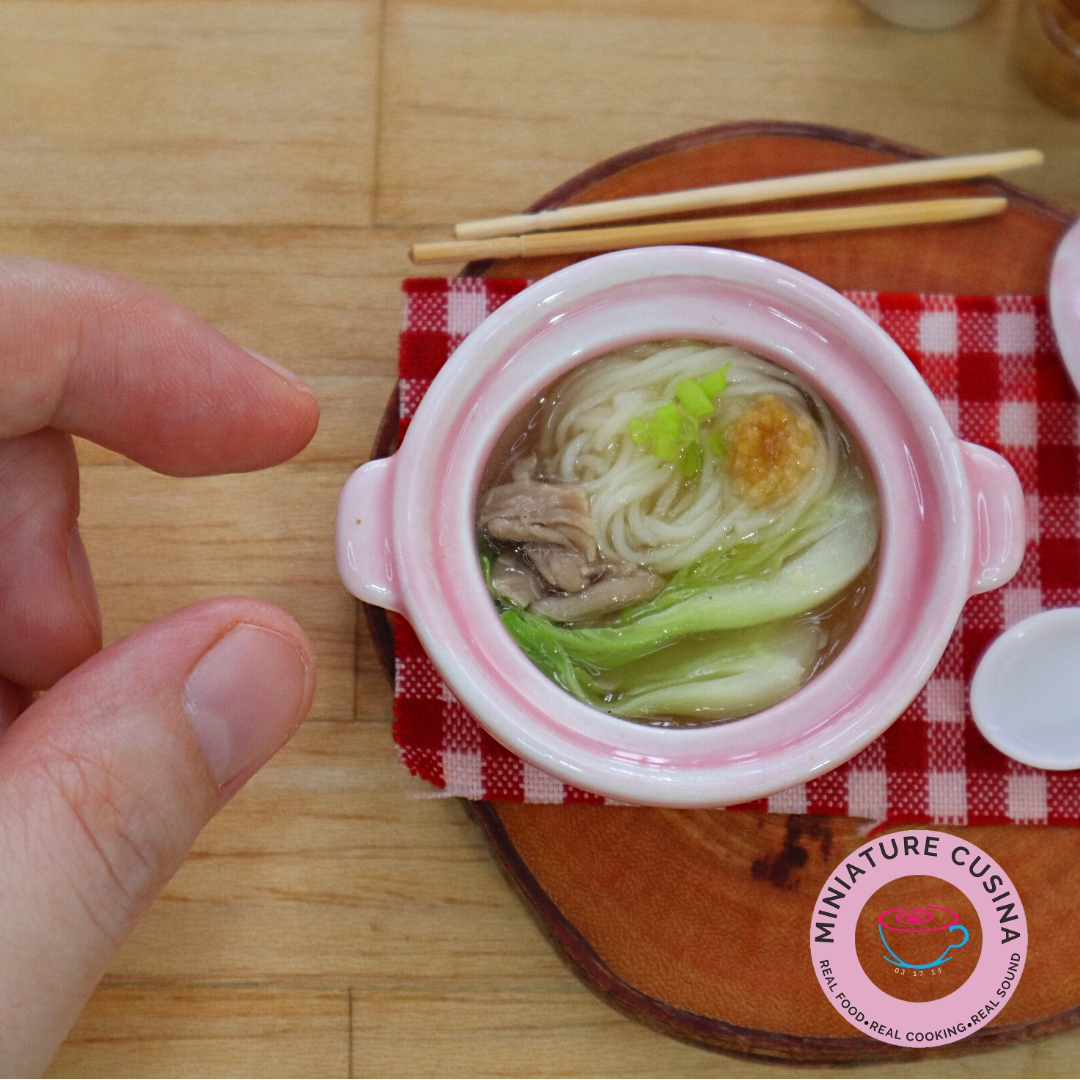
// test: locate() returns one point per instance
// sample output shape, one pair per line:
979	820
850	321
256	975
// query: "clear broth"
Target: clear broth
837	619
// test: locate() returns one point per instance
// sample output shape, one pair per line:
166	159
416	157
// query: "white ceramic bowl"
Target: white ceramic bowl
925	14
1025	695
1064	296
952	521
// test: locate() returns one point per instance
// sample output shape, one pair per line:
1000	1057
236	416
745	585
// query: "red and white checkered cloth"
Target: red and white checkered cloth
992	364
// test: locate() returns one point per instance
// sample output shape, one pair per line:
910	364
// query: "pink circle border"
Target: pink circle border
908	1018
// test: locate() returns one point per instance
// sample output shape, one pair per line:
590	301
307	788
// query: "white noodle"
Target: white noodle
643	509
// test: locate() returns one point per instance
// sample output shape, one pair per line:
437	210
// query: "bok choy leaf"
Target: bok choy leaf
734	615
810	576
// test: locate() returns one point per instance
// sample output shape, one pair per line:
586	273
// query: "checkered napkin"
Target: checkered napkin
992	364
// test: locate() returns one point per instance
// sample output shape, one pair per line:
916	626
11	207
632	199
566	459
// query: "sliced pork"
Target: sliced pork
565	569
533	512
515	581
556	570
621	584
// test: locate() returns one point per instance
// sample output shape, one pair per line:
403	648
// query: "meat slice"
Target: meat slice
530	511
513	580
557	571
562	568
620	585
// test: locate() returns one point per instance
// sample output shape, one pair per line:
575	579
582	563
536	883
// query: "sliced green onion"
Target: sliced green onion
690	460
715	384
666	446
668	419
693	396
673	427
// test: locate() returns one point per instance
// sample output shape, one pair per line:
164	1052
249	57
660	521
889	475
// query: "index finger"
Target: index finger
99	356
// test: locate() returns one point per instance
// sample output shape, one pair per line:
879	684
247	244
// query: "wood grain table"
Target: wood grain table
267	163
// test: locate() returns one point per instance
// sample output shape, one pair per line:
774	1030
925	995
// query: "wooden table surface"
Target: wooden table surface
267	163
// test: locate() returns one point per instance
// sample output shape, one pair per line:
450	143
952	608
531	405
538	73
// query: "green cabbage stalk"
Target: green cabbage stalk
763	585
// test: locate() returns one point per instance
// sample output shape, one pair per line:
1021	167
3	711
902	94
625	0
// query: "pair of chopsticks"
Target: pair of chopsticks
557	232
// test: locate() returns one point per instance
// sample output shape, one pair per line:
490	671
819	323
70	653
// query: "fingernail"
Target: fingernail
82	577
243	699
284	372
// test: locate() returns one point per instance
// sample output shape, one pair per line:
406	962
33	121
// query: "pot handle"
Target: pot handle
364	538
999	521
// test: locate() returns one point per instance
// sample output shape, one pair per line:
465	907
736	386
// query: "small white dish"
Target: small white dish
924	14
1025	696
1064	297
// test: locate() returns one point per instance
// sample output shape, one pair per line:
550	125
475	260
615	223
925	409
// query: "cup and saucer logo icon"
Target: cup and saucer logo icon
927	920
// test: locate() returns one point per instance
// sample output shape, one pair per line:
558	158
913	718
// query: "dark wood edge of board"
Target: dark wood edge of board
573	949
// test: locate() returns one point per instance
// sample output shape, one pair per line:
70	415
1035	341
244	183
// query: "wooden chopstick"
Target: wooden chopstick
790	223
753	191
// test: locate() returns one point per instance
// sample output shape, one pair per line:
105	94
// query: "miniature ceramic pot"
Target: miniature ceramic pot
952	521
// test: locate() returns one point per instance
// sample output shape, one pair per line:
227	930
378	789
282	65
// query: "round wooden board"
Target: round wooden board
696	922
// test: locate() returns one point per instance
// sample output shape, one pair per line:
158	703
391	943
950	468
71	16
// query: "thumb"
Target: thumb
105	782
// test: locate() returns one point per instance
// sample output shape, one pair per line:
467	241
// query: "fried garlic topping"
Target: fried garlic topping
771	450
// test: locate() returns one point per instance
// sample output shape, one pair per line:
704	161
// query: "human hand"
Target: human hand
107	777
